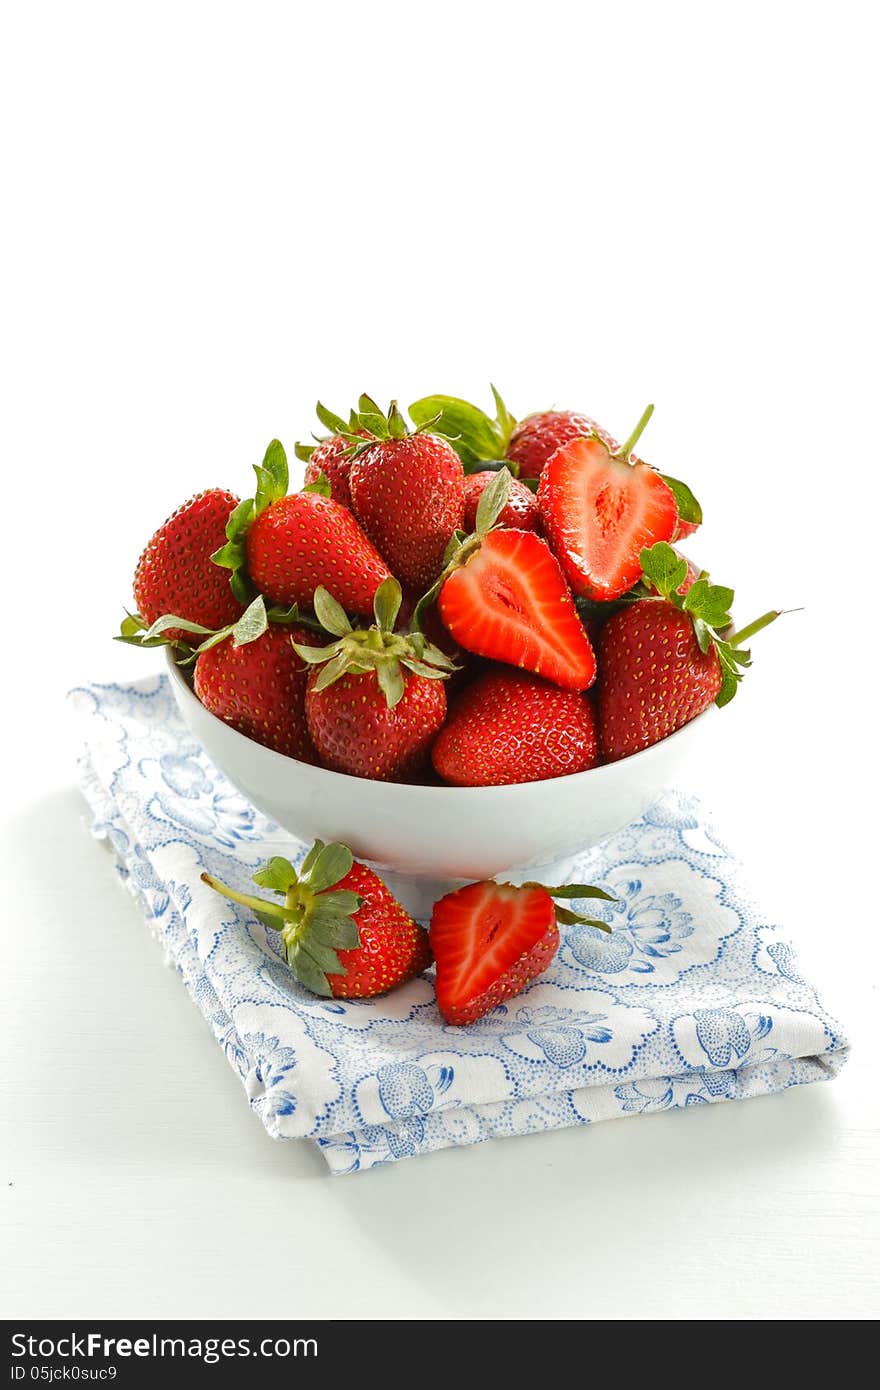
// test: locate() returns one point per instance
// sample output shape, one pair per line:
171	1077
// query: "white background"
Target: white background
215	213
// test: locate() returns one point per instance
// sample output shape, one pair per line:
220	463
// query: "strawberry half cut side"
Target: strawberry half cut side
490	939
600	510
509	601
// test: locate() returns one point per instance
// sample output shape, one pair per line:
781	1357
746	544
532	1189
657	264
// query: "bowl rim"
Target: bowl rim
508	789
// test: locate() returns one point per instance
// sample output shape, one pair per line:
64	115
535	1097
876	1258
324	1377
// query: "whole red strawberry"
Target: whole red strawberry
654	676
407	491
520	510
289	544
343	934
259	688
538	436
663	660
511	727
491	939
375	700
175	573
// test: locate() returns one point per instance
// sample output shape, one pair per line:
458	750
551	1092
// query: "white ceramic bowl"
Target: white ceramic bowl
427	840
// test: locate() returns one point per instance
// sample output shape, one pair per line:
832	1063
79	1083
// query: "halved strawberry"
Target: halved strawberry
601	509
490	939
509	601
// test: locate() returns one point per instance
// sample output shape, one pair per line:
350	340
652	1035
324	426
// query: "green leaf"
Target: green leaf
506	421
169	620
306	866
375	425
493	500
285	615
277	873
333	862
396	423
334	423
273	477
386	604
589	608
334	929
703	634
469	430
335	667
240	519
314	656
663	568
453	545
330	613
324	956
437	658
138	641
341	901
571	919
252	624
308	972
689	508
214	640
304	451
421	668
371	418
728	687
229	556
321	486
581	890
391	682
132	624
233	555
711	602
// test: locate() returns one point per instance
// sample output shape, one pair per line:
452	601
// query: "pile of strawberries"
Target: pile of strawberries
441	596
464	597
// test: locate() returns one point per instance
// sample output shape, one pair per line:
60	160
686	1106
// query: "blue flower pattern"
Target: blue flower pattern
693	999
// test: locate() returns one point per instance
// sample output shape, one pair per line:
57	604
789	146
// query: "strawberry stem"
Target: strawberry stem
626	449
255	904
749	631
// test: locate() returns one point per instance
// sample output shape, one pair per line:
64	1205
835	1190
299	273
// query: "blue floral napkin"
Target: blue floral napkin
695	997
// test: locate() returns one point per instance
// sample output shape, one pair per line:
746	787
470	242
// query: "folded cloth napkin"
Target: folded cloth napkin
694	998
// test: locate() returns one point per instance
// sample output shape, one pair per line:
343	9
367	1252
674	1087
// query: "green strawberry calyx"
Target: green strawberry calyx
273	483
708	607
462	546
253	622
333	424
378	649
366	426
565	915
315	917
474	435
